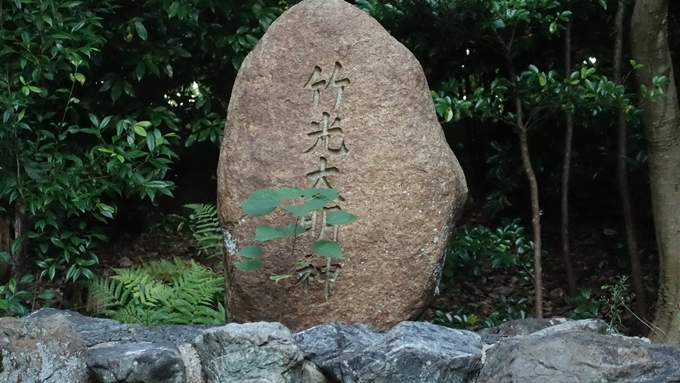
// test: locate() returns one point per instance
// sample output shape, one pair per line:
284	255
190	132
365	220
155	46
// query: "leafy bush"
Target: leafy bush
94	97
13	300
616	301
588	305
478	249
468	318
160	292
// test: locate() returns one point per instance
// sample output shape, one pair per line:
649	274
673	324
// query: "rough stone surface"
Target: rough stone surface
413	352
47	348
329	345
137	363
328	98
597	326
311	373
192	363
251	352
527	326
417	352
94	331
91	330
46	351
579	356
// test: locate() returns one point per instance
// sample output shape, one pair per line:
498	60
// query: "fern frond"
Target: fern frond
160	292
205	229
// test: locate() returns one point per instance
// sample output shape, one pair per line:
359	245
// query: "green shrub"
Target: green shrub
469	319
478	249
160	292
587	305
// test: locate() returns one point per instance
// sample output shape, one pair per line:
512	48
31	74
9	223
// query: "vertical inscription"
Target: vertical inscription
326	135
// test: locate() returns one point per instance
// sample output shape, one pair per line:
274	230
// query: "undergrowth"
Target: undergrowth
160	292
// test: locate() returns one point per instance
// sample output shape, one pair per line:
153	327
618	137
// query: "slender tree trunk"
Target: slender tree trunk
19	266
661	117
522	132
622	173
535	208
566	166
5	246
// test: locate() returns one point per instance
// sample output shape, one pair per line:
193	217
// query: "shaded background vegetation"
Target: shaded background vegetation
113	112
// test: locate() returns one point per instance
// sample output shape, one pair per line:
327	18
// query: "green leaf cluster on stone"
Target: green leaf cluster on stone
264	201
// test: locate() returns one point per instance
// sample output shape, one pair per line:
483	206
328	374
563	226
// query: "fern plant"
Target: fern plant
205	229
160	292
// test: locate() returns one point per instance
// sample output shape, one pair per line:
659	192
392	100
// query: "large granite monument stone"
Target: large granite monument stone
328	99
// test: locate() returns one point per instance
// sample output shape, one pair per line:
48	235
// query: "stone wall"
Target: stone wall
53	346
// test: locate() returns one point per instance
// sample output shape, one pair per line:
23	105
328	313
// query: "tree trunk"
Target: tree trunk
19	265
622	174
661	117
566	166
5	246
522	132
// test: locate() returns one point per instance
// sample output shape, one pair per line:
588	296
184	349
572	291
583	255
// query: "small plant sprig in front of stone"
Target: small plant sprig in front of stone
617	301
264	201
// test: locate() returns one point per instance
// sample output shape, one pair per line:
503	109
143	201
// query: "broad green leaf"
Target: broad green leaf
5	257
249	265
250	252
330	194
28	278
140	130
4	304
340	217
291	230
289	193
141	30
603	3
80	77
150	142
48	294
316	203
553	27
297	210
261	202
266	232
116	90
327	249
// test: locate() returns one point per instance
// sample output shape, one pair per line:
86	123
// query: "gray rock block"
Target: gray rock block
329	345
412	352
46	351
579	356
137	363
94	331
251	352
